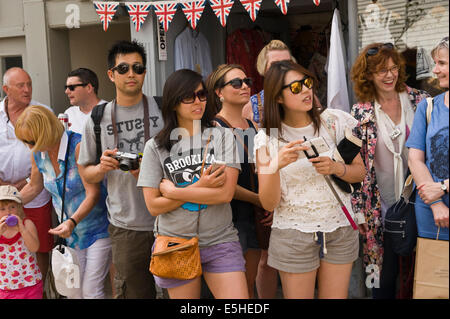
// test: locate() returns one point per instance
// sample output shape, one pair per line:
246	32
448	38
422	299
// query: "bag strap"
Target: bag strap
96	115
61	240
429	109
199	205
224	123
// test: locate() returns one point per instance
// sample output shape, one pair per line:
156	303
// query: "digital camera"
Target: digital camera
127	161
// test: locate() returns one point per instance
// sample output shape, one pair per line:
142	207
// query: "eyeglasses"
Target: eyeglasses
123	68
383	72
237	82
72	87
373	51
188	99
297	86
29	142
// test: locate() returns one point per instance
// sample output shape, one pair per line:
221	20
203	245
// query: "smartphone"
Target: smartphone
319	144
216	165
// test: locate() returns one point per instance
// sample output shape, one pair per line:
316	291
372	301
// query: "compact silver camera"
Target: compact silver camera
127	161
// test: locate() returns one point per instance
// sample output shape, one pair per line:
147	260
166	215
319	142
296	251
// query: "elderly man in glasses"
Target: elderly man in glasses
81	88
15	164
127	123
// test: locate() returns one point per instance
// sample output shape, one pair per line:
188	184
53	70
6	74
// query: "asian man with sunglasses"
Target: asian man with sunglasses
125	128
81	89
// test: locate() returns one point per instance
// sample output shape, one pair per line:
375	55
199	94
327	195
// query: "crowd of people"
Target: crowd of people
273	185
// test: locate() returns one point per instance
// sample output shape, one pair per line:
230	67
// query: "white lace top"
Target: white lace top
307	203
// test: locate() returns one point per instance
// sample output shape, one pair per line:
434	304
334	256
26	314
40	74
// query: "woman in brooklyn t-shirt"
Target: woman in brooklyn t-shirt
175	190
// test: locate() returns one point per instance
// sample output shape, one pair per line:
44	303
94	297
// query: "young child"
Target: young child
20	277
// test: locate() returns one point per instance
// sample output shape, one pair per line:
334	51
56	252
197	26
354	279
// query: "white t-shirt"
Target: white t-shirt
307	203
15	157
77	118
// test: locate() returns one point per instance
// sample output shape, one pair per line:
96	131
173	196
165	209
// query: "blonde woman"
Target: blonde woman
85	224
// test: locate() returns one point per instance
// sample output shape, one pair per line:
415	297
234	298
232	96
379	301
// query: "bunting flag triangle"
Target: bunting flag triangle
165	12
316	2
283	5
222	9
193	11
138	12
106	11
252	7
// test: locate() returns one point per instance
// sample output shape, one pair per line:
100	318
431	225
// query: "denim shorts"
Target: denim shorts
220	258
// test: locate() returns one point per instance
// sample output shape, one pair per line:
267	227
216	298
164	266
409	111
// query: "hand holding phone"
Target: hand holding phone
316	146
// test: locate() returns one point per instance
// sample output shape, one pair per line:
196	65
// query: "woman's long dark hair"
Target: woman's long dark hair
273	82
178	85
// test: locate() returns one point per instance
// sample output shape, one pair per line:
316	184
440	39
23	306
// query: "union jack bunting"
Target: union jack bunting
106	11
222	9
252	7
316	2
165	12
193	11
138	12
283	5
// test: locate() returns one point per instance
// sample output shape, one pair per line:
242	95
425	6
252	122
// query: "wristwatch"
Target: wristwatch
444	187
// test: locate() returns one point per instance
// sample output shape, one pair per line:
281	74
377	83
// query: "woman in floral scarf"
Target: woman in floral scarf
385	112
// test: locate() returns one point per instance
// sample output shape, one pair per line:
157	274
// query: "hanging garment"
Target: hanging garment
337	95
192	52
243	47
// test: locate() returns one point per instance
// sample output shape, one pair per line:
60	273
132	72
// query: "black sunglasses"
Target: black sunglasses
188	99
72	87
237	82
373	51
123	68
297	86
29	142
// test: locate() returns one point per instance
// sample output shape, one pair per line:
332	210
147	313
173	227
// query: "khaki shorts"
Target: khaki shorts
294	251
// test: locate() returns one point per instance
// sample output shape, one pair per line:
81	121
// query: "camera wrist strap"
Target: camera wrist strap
146	121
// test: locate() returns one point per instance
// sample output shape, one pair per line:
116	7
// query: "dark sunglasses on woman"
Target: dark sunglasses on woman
373	51
297	86
237	82
188	99
123	68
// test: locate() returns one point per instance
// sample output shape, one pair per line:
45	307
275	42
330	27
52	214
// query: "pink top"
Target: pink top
18	266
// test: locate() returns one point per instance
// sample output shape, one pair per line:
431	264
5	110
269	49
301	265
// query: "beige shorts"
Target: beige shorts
294	251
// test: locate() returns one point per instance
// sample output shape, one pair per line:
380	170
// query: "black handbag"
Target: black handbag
400	222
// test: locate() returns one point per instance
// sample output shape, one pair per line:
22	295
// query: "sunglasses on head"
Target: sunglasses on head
373	51
123	68
237	83
72	87
297	86
188	99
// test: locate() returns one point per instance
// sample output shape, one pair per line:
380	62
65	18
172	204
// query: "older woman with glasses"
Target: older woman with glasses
85	223
385	112
428	154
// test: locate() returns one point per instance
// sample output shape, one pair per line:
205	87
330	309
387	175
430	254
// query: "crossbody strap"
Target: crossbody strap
199	205
61	241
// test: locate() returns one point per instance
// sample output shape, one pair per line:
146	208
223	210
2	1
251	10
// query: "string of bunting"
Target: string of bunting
192	9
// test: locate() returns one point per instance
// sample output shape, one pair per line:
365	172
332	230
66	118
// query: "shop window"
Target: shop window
414	26
7	63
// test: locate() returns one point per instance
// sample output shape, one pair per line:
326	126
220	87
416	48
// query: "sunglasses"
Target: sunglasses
373	51
297	86
188	99
72	87
29	142
237	82
123	68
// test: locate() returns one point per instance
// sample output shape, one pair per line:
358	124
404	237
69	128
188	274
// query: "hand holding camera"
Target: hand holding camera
113	159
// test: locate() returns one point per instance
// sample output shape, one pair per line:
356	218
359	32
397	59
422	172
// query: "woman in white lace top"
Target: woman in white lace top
311	236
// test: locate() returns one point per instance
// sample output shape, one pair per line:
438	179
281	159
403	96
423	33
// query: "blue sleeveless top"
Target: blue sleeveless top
95	225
